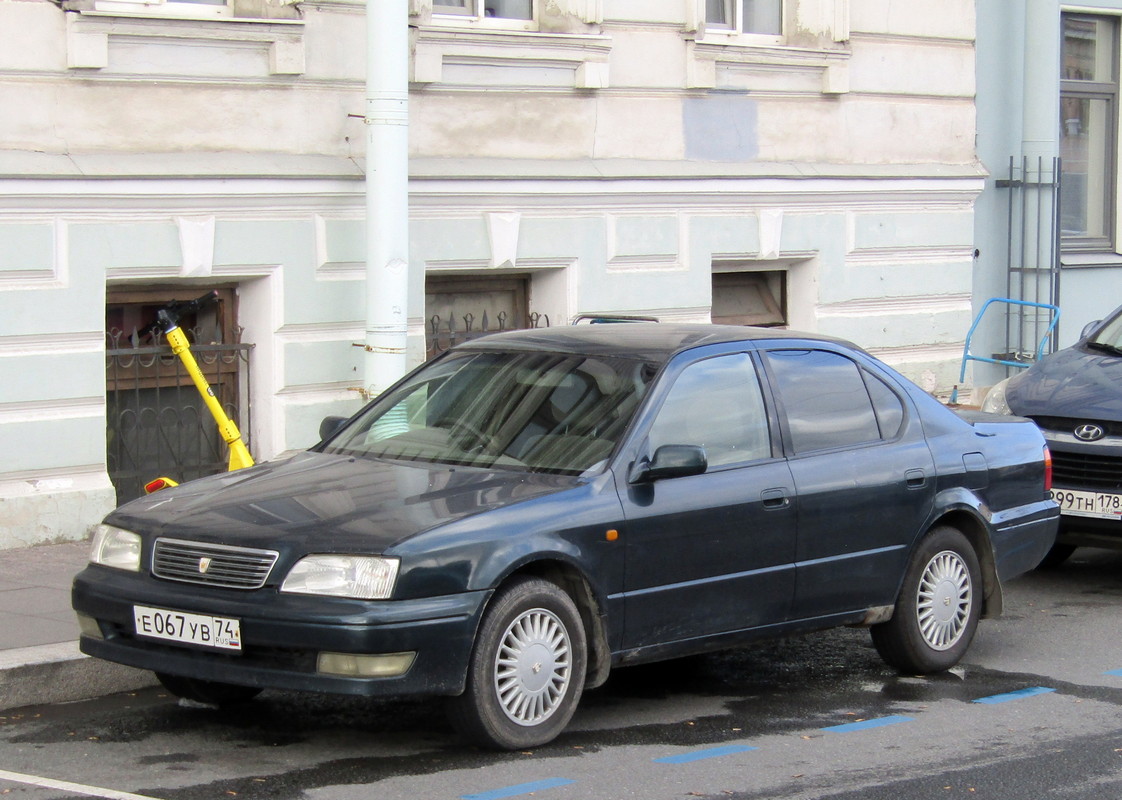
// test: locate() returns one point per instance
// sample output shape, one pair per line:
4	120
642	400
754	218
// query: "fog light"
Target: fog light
386	665
89	627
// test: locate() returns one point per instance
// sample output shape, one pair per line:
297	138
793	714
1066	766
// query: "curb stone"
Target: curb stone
61	673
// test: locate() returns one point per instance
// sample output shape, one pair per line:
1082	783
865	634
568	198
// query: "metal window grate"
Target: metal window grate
157	422
212	564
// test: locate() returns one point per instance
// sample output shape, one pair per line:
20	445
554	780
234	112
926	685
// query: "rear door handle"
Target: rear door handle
915	478
774	498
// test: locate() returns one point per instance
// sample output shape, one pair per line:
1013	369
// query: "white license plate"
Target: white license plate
221	633
1088	504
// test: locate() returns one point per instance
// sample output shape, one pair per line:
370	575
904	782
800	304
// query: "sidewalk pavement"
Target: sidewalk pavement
39	657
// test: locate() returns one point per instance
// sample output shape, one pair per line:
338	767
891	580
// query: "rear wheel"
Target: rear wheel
938	608
527	670
210	692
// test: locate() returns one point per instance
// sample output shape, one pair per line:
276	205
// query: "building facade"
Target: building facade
808	163
1047	222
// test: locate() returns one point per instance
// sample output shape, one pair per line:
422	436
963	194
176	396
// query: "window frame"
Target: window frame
771	288
167	8
759	384
1094	90
472	17
797	448
734	29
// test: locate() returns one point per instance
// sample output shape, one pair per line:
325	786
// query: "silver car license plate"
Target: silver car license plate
1088	504
221	633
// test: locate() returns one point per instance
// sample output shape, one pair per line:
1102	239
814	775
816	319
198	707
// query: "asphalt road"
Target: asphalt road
1034	712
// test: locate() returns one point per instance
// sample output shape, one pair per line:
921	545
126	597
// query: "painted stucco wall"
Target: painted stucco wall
617	159
1018	85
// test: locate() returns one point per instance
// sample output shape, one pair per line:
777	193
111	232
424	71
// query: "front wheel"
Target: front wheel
938	608
527	670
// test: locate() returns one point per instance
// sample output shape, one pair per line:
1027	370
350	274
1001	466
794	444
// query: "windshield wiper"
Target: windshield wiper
1109	348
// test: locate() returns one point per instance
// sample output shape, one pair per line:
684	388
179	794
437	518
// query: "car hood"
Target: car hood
330	503
1076	382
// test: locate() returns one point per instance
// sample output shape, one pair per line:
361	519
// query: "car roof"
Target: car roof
654	341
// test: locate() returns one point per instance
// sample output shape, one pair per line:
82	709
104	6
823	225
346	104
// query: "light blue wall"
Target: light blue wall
1018	74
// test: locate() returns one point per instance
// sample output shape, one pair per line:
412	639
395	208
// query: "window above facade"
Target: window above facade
509	43
485	9
785	45
555	16
761	17
269	10
106	32
1088	132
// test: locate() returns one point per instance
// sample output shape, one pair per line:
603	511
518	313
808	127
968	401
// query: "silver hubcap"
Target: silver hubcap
944	599
533	667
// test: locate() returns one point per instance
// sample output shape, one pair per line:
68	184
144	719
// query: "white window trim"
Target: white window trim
586	55
736	34
452	19
709	50
280	11
1072	254
578	12
736	37
164	8
90	34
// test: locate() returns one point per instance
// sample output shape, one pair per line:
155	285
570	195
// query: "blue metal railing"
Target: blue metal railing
966	355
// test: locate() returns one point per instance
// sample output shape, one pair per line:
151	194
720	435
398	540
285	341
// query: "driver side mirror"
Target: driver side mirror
1090	326
671	461
330	426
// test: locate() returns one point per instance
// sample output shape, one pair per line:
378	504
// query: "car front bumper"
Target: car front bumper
283	635
1090	469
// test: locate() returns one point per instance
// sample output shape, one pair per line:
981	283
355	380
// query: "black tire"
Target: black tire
1056	556
527	669
210	692
938	608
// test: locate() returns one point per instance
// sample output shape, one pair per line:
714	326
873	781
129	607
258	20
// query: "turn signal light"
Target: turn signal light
159	483
1047	469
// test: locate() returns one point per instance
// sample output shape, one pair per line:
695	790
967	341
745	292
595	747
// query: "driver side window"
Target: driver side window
716	404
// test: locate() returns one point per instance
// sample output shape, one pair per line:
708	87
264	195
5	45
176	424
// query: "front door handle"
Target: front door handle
774	498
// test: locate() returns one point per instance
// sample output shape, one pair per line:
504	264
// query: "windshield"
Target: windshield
545	412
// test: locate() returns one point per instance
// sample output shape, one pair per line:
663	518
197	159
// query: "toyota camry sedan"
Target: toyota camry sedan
533	509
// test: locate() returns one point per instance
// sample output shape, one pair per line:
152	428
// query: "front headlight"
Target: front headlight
114	547
362	577
995	401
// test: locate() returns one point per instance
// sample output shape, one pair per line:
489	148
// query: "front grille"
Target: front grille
1084	470
1069	424
212	564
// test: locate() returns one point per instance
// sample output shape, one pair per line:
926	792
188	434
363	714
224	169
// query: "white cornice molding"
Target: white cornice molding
52	410
887	306
52	344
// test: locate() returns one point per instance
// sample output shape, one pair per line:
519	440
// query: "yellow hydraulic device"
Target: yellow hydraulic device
167	320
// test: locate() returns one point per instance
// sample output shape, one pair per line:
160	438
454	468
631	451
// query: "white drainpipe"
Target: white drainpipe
387	193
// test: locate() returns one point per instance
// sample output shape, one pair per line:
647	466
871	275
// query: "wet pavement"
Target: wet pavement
812	717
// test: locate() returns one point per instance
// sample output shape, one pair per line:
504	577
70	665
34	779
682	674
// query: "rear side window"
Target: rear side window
826	400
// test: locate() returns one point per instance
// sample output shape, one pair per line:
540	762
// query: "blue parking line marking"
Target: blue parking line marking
521	788
699	755
880	722
1032	691
1115	672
